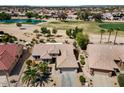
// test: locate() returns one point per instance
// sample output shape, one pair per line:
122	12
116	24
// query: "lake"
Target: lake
28	21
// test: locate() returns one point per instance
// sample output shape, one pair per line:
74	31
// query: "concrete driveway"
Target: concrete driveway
102	81
68	79
3	81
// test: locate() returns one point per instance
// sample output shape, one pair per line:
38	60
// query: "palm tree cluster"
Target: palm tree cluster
110	32
36	74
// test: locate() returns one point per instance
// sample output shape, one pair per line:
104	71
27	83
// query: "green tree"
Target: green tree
75	31
62	16
83	15
5	16
97	17
101	31
31	14
82	40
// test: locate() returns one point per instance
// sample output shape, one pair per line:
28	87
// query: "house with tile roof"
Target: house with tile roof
9	56
60	54
106	59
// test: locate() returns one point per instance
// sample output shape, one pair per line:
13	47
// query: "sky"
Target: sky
61	2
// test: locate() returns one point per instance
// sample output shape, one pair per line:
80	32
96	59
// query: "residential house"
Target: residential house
9	56
107	16
105	59
60	54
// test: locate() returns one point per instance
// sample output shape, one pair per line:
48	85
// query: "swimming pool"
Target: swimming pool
32	21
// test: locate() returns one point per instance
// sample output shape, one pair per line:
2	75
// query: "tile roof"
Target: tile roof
101	56
8	54
66	59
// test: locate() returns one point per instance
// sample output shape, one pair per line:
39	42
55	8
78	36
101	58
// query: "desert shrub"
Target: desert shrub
82	79
121	80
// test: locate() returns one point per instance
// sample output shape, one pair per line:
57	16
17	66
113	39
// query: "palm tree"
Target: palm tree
102	31
116	35
43	74
110	31
42	67
41	79
29	76
36	75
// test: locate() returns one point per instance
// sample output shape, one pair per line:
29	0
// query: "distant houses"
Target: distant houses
60	54
9	56
107	16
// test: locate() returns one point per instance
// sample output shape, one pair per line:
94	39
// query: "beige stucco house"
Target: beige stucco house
60	54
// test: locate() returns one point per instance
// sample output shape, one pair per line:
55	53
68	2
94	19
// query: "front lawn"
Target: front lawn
121	80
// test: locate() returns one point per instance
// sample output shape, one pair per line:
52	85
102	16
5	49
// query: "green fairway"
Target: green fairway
112	25
87	26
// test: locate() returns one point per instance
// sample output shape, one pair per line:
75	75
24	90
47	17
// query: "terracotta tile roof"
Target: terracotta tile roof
8	54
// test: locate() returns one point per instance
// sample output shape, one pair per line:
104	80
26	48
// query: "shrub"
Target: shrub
41	41
18	24
68	32
36	31
54	31
82	79
82	61
8	38
44	30
121	80
53	41
81	56
48	40
28	62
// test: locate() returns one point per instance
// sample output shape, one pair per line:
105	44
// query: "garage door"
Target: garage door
101	72
102	81
68	70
